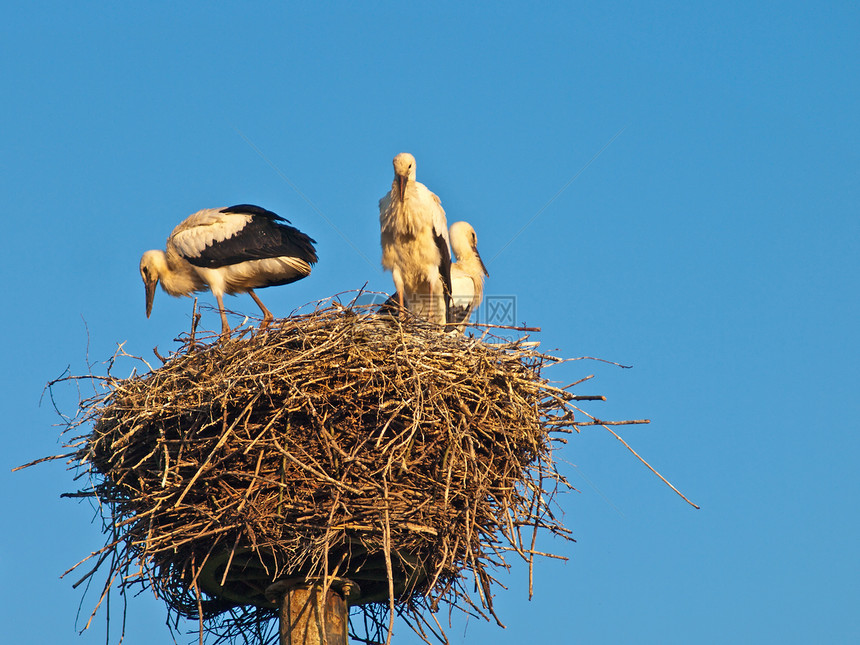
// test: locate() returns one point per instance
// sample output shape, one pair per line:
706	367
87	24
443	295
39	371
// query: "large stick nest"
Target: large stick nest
338	443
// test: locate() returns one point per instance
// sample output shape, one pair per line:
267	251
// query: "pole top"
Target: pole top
346	588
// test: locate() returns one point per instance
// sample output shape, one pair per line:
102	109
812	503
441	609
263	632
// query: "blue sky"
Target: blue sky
713	244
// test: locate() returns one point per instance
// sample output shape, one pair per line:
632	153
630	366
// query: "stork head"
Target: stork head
464	243
151	265
404	171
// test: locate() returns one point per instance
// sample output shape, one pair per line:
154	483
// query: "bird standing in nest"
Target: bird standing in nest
467	274
415	244
228	250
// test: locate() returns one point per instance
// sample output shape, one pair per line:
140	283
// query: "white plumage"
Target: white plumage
467	274
415	244
228	250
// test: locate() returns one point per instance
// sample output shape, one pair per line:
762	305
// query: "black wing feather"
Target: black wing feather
265	236
256	211
460	313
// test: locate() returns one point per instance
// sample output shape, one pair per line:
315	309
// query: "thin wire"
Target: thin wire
305	197
561	190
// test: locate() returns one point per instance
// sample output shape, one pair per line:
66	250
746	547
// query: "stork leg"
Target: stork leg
433	307
402	310
267	315
225	328
398	284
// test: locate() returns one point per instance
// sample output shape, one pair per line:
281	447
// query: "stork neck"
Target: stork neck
177	276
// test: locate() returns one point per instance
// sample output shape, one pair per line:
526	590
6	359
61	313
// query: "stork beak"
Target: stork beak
480	261
402	186
150	295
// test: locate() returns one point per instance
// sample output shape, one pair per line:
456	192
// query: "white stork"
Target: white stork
467	274
228	250
415	244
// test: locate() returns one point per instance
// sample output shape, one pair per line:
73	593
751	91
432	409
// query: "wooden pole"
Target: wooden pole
306	618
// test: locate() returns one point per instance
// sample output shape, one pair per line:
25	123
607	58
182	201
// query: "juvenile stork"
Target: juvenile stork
415	244
467	274
228	250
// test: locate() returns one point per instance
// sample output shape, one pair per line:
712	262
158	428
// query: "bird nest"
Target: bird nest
343	443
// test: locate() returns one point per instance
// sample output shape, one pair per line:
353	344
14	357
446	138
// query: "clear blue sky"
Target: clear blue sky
715	245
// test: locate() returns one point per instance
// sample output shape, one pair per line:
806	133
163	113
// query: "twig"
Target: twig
598	422
665	481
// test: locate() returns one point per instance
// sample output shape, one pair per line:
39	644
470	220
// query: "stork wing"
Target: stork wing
440	222
440	236
241	233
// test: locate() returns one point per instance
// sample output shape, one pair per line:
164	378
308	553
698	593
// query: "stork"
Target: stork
415	244
228	250
467	274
